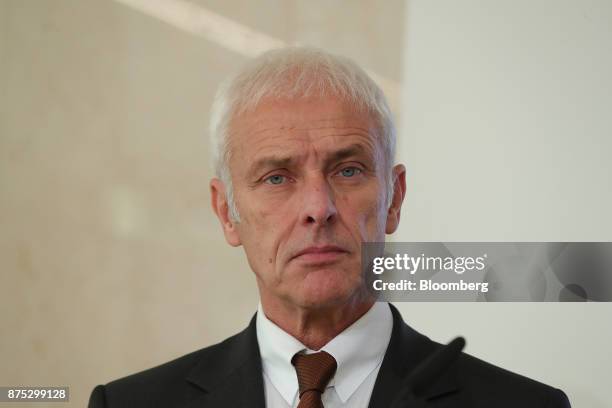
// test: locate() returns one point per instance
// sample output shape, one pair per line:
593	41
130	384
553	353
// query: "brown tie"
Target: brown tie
314	372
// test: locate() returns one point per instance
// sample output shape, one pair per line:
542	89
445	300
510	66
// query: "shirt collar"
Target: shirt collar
277	347
356	350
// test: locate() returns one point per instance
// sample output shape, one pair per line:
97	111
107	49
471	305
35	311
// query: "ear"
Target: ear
399	191
218	199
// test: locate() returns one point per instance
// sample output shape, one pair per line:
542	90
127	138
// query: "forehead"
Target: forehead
298	124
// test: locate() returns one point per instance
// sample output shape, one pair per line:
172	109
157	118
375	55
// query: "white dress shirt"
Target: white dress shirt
358	350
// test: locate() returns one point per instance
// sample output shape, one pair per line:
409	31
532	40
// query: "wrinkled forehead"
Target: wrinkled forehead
284	124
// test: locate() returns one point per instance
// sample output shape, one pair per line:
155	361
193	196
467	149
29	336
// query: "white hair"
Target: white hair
296	72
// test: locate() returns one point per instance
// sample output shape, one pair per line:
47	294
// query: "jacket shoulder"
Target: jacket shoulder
164	385
492	384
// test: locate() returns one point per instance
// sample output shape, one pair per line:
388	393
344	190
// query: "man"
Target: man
305	145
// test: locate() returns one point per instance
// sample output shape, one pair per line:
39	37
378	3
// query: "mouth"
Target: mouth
320	255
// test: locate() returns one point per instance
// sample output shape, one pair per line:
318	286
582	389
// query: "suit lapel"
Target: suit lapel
407	348
231	376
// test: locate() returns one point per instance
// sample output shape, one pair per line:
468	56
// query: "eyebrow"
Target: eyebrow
270	162
276	161
352	150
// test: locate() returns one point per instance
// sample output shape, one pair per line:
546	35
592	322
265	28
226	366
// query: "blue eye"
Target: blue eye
350	171
275	179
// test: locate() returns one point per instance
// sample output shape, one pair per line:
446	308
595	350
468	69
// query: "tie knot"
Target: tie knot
314	370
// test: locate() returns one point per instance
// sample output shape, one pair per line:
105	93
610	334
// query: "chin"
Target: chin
329	290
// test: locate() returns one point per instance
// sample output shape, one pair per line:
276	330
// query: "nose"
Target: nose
319	206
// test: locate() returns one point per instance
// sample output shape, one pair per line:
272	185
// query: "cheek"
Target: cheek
375	223
366	214
262	231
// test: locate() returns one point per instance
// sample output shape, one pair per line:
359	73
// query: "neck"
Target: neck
315	327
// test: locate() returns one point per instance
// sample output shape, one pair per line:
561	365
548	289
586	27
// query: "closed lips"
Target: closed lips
320	250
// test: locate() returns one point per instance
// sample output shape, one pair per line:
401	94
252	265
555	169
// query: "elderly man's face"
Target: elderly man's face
309	184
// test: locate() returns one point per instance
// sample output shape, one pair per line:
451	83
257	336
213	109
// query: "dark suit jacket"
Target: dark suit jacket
229	375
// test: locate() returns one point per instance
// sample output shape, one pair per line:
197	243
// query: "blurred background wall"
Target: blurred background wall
111	260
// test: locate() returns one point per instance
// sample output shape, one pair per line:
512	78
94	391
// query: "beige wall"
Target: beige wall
110	258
